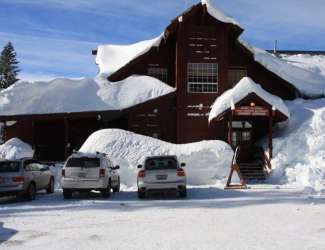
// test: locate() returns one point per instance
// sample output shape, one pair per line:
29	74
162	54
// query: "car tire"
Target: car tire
106	193
118	187
67	194
183	192
31	192
141	194
50	187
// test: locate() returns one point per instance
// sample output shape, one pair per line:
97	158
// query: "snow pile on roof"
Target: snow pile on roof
218	14
14	149
206	161
245	87
87	94
111	58
299	150
309	83
313	63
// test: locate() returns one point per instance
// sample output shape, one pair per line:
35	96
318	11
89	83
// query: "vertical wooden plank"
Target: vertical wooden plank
230	128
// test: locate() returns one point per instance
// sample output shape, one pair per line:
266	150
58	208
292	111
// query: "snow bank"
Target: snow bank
111	58
15	149
87	94
218	14
206	161
309	83
299	150
242	89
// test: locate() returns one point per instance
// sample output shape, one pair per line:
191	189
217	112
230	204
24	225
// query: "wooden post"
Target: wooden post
4	131
33	136
67	137
270	135
230	128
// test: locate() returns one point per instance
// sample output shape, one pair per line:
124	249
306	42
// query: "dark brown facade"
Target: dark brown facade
193	40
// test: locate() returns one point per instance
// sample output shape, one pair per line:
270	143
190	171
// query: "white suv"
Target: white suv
161	173
87	172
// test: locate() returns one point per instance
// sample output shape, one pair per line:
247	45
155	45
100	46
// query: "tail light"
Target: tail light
101	172
181	172
141	174
63	173
18	178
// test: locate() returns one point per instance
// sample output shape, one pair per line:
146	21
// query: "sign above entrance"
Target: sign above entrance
251	111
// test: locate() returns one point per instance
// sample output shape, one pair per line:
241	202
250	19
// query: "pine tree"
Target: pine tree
8	66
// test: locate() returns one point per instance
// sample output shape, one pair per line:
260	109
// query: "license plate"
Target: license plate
82	175
161	177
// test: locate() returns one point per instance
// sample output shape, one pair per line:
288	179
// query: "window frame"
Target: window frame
209	77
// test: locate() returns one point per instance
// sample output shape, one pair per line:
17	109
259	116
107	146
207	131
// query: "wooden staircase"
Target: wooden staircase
253	168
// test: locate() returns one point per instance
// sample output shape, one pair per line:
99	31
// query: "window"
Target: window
202	77
235	75
159	73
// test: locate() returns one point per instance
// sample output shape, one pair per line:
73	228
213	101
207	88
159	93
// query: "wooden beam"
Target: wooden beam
271	134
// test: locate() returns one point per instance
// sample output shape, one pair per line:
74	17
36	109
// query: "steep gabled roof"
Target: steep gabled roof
112	58
244	88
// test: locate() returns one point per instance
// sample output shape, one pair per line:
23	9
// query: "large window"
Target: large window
202	77
235	75
159	73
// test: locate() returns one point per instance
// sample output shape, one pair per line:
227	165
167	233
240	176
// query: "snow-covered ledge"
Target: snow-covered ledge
245	87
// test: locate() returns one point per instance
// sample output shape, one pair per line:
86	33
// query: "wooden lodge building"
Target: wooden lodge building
200	56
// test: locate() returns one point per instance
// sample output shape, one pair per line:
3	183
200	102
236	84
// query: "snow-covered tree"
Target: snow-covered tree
8	66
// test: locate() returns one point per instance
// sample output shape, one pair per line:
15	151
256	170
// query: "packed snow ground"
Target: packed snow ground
210	218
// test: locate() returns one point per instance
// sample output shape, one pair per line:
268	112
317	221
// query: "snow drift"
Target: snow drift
206	161
14	149
87	94
299	150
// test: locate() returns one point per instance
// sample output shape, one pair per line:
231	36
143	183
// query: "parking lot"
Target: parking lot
265	217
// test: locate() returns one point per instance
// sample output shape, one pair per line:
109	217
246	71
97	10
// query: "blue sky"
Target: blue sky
55	37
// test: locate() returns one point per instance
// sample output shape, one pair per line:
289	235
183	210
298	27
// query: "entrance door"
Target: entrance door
241	138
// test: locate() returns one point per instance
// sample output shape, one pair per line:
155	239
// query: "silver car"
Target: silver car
87	172
24	178
160	173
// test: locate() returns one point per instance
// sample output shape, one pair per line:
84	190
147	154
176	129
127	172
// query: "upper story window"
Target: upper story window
159	73
235	75
202	77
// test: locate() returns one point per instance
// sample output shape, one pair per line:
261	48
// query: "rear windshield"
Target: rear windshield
9	166
83	162
161	163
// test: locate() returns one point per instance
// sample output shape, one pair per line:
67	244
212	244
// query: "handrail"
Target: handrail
235	157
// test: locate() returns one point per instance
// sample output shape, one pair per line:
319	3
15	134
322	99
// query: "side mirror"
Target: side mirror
139	166
183	164
117	167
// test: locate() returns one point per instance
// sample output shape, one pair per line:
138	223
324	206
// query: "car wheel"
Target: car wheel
183	192
118	186
50	187
67	194
141	194
106	193
31	192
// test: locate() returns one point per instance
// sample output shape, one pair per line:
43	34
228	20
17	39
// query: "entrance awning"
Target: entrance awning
249	99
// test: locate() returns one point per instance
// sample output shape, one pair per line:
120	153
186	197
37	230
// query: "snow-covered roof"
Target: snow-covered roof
309	83
215	12
110	58
87	94
245	87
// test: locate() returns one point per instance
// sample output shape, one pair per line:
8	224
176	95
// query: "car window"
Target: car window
161	163
9	166
33	166
83	162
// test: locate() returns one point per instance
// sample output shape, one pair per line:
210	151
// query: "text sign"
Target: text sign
251	111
